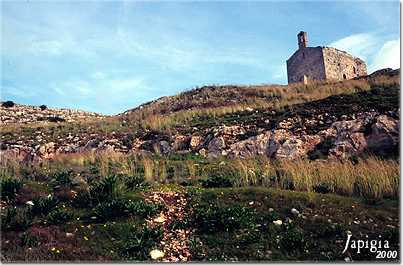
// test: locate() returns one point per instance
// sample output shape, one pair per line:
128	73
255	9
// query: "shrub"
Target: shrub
292	238
139	245
135	182
211	218
143	208
43	107
28	240
59	216
42	206
322	187
82	199
10	188
217	181
105	189
15	219
8	104
62	178
111	210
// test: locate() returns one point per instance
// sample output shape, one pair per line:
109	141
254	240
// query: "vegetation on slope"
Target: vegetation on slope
107	207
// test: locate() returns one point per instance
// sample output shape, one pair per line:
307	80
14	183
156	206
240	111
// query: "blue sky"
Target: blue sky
108	56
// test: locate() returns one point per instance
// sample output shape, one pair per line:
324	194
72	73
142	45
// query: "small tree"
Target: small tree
43	107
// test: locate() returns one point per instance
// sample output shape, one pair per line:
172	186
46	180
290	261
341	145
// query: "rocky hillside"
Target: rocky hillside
22	114
318	121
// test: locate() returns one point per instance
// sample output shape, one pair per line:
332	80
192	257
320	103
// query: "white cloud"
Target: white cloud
360	45
387	57
101	87
373	49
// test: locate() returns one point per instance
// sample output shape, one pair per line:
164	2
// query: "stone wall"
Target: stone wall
308	62
340	65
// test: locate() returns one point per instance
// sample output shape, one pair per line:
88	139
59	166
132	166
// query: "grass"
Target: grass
231	216
370	177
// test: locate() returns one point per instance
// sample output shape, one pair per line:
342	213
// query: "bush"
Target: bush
62	178
15	219
10	188
82	199
217	181
135	182
8	104
105	189
43	107
322	188
292	238
210	218
111	210
143	208
28	240
42	206
59	216
138	246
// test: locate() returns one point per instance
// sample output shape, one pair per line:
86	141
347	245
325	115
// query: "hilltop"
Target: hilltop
319	120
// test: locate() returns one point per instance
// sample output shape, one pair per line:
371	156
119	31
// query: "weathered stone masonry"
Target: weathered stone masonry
322	63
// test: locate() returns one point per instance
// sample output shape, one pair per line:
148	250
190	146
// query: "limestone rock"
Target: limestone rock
384	137
216	146
195	142
250	147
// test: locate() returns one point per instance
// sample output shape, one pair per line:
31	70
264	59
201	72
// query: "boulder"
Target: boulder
253	146
181	142
47	150
292	148
216	147
384	136
195	142
277	138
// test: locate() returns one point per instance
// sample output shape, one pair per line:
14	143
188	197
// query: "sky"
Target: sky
110	56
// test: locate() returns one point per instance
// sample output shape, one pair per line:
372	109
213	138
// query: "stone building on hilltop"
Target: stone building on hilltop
322	63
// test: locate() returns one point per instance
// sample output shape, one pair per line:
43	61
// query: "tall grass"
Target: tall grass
370	178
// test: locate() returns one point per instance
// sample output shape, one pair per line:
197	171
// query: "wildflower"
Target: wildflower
85	238
104	225
78	218
156	254
89	226
50	195
294	211
278	222
30	203
251	203
53	249
57	251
